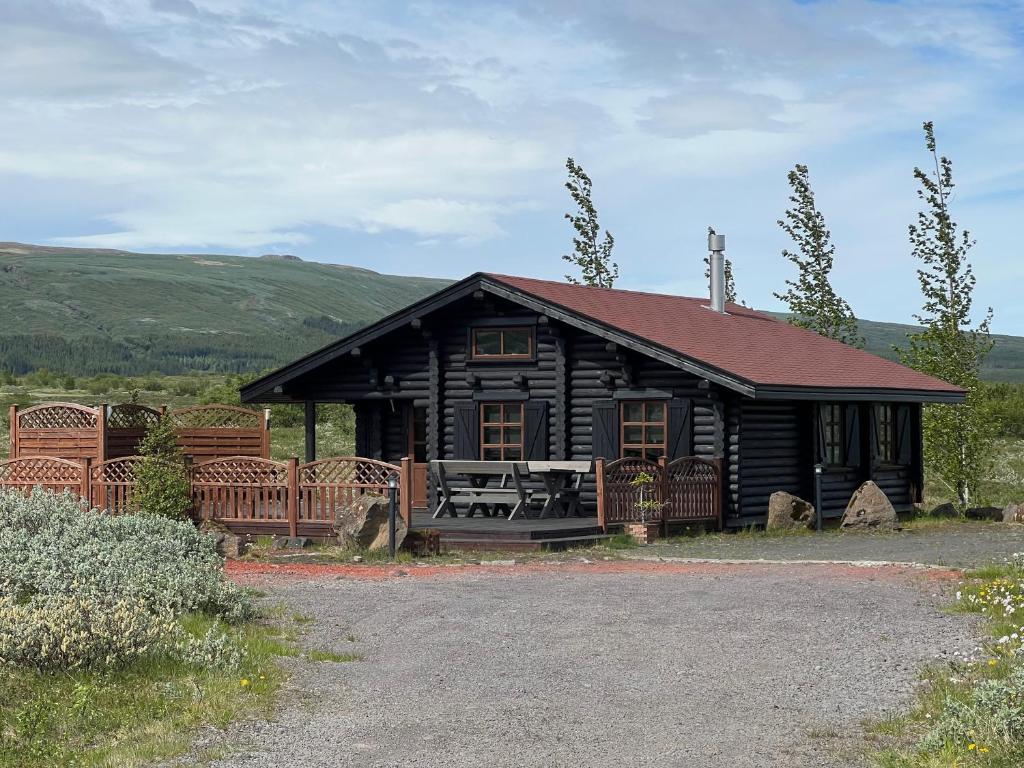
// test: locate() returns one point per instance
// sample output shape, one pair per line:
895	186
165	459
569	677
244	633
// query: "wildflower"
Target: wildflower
972	747
983	749
992	662
244	682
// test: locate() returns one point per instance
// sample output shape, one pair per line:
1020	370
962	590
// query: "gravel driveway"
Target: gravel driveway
633	664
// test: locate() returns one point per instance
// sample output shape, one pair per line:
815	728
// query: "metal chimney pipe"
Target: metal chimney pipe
716	244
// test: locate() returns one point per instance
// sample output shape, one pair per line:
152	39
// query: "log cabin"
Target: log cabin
503	368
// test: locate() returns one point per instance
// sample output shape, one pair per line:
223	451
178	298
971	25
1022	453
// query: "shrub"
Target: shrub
161	478
53	632
49	546
992	713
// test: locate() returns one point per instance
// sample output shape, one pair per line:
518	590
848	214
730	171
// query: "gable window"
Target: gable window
501	431
835	434
643	429
885	431
502	343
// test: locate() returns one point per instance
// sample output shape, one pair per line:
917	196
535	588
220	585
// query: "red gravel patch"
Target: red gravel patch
252	572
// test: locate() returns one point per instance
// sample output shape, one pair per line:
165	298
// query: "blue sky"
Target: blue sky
430	137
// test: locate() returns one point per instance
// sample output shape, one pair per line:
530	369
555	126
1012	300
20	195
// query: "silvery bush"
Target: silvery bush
993	712
80	588
50	546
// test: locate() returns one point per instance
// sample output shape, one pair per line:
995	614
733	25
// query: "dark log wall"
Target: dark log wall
773	456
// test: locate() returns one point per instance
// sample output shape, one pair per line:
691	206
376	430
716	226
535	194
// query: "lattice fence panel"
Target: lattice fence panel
330	486
693	490
217	417
112	484
49	473
621	497
241	489
132	416
66	416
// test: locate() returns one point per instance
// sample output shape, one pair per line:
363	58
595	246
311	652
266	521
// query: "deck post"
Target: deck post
14	432
405	491
720	493
265	434
86	490
310	430
663	482
293	496
599	479
101	432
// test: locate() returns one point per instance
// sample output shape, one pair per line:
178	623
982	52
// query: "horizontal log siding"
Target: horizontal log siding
895	481
773	456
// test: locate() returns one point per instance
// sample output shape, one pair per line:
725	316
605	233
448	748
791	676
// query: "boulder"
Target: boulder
364	523
994	514
945	510
786	511
869	508
1013	513
228	544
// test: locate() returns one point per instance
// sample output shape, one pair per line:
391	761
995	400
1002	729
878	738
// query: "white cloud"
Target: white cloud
236	125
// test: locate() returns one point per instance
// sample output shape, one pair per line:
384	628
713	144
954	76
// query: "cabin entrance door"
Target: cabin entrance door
416	429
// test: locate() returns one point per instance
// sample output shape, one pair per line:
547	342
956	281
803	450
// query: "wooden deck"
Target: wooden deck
498	533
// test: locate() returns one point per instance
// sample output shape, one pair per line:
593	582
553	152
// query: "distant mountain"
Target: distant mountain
87	311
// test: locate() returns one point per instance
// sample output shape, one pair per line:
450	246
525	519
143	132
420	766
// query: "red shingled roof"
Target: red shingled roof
744	343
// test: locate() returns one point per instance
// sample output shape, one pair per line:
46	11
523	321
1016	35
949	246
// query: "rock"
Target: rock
228	544
869	508
1013	513
984	513
364	523
786	511
945	510
299	542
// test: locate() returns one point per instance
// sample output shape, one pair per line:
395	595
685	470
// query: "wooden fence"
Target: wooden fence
76	432
247	494
685	490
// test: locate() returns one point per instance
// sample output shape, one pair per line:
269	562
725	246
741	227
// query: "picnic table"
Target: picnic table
563	493
509	495
514	499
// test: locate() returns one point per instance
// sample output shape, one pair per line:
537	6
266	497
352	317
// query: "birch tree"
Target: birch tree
813	302
591	254
958	438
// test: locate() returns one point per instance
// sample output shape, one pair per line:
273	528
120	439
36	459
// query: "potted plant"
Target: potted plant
647	506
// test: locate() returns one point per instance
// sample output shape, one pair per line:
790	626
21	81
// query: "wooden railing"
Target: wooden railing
685	490
248	494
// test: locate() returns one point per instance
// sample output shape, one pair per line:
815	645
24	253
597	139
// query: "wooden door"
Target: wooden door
417	450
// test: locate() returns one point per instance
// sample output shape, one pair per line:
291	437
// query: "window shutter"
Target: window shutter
875	451
535	430
904	448
851	429
680	429
605	430
467	432
821	415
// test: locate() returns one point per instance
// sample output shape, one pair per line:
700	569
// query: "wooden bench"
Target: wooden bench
511	498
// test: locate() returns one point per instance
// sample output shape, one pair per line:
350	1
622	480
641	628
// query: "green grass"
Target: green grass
130	717
896	738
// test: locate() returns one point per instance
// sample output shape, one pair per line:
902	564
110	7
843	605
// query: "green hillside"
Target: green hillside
1004	363
86	311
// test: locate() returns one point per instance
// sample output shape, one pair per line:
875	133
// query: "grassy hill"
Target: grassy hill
87	311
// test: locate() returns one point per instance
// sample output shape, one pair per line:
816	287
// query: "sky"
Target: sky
430	138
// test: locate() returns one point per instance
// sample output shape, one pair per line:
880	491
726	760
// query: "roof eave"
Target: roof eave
858	394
